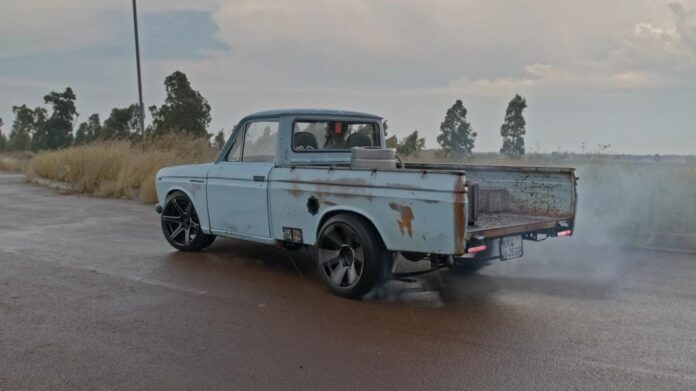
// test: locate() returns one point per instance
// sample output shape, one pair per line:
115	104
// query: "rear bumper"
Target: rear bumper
496	225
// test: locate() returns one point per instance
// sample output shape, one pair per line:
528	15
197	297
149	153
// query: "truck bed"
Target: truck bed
514	200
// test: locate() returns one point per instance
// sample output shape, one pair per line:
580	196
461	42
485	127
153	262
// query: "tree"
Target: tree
219	141
184	109
39	129
82	135
457	135
392	142
3	139
513	129
88	131
121	124
22	127
55	131
411	144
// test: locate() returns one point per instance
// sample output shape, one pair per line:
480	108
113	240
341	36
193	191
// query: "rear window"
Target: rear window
333	135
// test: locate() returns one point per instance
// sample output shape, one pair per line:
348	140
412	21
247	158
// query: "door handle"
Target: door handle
259	178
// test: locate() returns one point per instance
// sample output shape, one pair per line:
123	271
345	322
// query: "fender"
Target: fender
327	213
198	202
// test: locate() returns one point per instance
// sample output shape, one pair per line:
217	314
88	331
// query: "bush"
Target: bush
118	168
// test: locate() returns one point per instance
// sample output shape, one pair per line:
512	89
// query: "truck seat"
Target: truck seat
358	140
305	141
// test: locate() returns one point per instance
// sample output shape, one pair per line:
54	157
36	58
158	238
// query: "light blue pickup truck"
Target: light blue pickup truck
324	179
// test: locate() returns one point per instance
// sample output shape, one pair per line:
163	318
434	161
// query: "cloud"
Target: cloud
384	43
546	78
489	45
668	48
407	59
376	44
685	24
41	27
172	34
23	82
28	27
648	32
650	55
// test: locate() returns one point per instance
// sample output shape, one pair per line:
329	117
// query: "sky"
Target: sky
594	72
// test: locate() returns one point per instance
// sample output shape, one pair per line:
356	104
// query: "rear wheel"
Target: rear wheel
181	226
350	256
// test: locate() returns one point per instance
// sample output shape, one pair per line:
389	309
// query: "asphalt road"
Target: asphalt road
92	297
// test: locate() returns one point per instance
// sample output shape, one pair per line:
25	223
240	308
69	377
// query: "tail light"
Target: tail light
564	233
476	249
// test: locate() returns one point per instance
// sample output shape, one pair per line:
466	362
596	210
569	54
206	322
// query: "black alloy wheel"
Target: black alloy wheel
181	226
349	255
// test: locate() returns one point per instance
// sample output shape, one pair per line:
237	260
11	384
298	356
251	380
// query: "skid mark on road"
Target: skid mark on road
111	273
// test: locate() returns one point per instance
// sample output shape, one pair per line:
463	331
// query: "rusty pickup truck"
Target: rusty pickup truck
324	179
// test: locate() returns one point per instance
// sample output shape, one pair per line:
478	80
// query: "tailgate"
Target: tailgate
514	200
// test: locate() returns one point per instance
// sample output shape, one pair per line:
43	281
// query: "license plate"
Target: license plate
510	247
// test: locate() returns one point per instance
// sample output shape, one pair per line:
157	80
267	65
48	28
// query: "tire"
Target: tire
181	226
351	258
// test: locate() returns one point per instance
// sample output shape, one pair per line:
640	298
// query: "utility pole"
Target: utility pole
140	81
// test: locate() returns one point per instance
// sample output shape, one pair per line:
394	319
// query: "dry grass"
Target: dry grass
15	161
118	168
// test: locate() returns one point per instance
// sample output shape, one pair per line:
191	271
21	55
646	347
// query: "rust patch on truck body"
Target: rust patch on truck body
405	223
339	187
459	214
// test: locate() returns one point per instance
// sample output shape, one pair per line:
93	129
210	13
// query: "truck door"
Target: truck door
238	185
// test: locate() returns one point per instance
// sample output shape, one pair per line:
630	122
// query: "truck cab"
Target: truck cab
238	183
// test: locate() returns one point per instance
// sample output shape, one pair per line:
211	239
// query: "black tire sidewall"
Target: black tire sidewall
201	241
374	255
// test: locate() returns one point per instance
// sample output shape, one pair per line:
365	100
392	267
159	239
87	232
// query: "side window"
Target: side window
235	153
260	141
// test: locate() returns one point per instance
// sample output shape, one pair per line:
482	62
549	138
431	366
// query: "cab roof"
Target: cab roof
318	112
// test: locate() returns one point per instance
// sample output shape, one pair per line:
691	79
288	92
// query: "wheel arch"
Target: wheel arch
175	189
362	215
199	204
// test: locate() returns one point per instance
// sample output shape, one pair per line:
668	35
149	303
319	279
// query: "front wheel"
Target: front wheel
181	226
350	255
